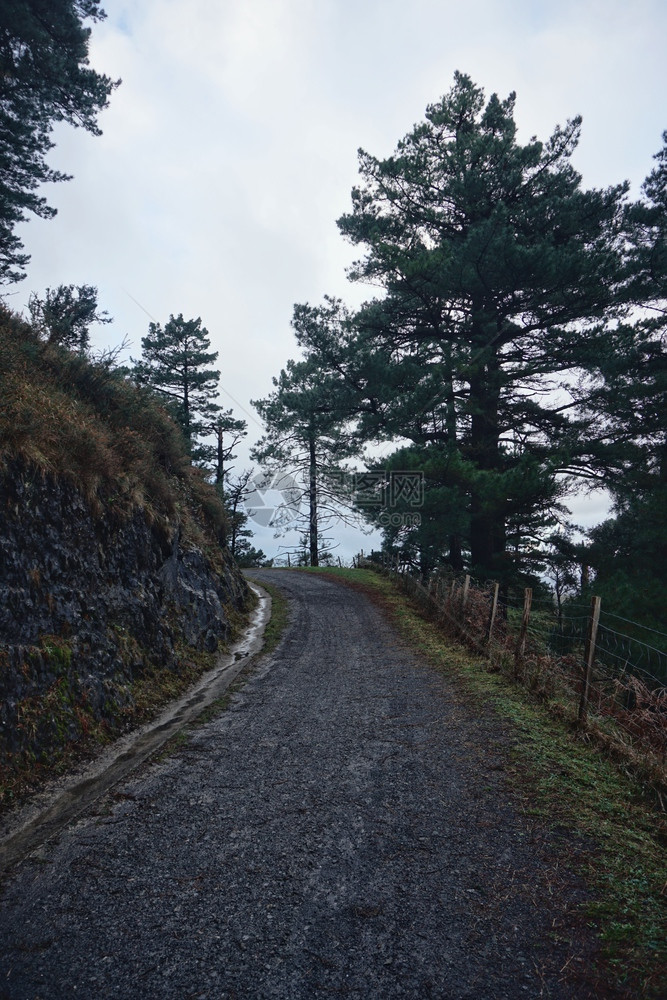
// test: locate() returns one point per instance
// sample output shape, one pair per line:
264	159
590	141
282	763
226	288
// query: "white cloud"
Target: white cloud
230	148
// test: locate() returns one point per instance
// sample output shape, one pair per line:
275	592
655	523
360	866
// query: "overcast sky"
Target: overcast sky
230	149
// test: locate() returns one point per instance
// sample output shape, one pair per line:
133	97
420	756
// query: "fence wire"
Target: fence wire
546	650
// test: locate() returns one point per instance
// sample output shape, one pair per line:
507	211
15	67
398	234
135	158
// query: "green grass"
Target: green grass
567	783
277	624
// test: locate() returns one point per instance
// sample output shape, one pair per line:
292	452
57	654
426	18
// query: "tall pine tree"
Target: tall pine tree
307	437
499	273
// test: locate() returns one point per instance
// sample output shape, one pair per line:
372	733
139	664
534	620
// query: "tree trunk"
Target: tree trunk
234	527
455	554
452	435
487	518
312	492
482	537
186	401
219	470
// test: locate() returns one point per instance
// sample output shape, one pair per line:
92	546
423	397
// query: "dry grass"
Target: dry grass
85	422
67	419
625	716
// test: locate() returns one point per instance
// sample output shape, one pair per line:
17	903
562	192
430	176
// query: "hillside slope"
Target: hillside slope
115	580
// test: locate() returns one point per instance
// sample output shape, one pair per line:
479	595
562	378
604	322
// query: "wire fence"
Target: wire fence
572	656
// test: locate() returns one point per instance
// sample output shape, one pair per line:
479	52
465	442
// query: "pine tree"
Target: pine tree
236	492
44	78
229	431
499	274
627	404
174	362
627	409
306	435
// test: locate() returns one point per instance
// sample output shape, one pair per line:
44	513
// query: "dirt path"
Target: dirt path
343	829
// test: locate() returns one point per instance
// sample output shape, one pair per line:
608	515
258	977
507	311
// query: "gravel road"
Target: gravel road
343	828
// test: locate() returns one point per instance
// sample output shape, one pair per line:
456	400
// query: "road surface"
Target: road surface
345	828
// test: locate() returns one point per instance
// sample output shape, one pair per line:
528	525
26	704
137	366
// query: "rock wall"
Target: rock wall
88	603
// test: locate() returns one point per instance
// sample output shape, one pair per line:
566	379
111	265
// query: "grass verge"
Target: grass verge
277	624
566	783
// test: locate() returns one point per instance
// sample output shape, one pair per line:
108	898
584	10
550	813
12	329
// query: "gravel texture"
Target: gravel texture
343	828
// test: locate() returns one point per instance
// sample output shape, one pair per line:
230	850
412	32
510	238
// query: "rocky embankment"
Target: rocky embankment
91	604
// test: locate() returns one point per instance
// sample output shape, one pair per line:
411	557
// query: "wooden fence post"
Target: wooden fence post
589	655
525	618
492	613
